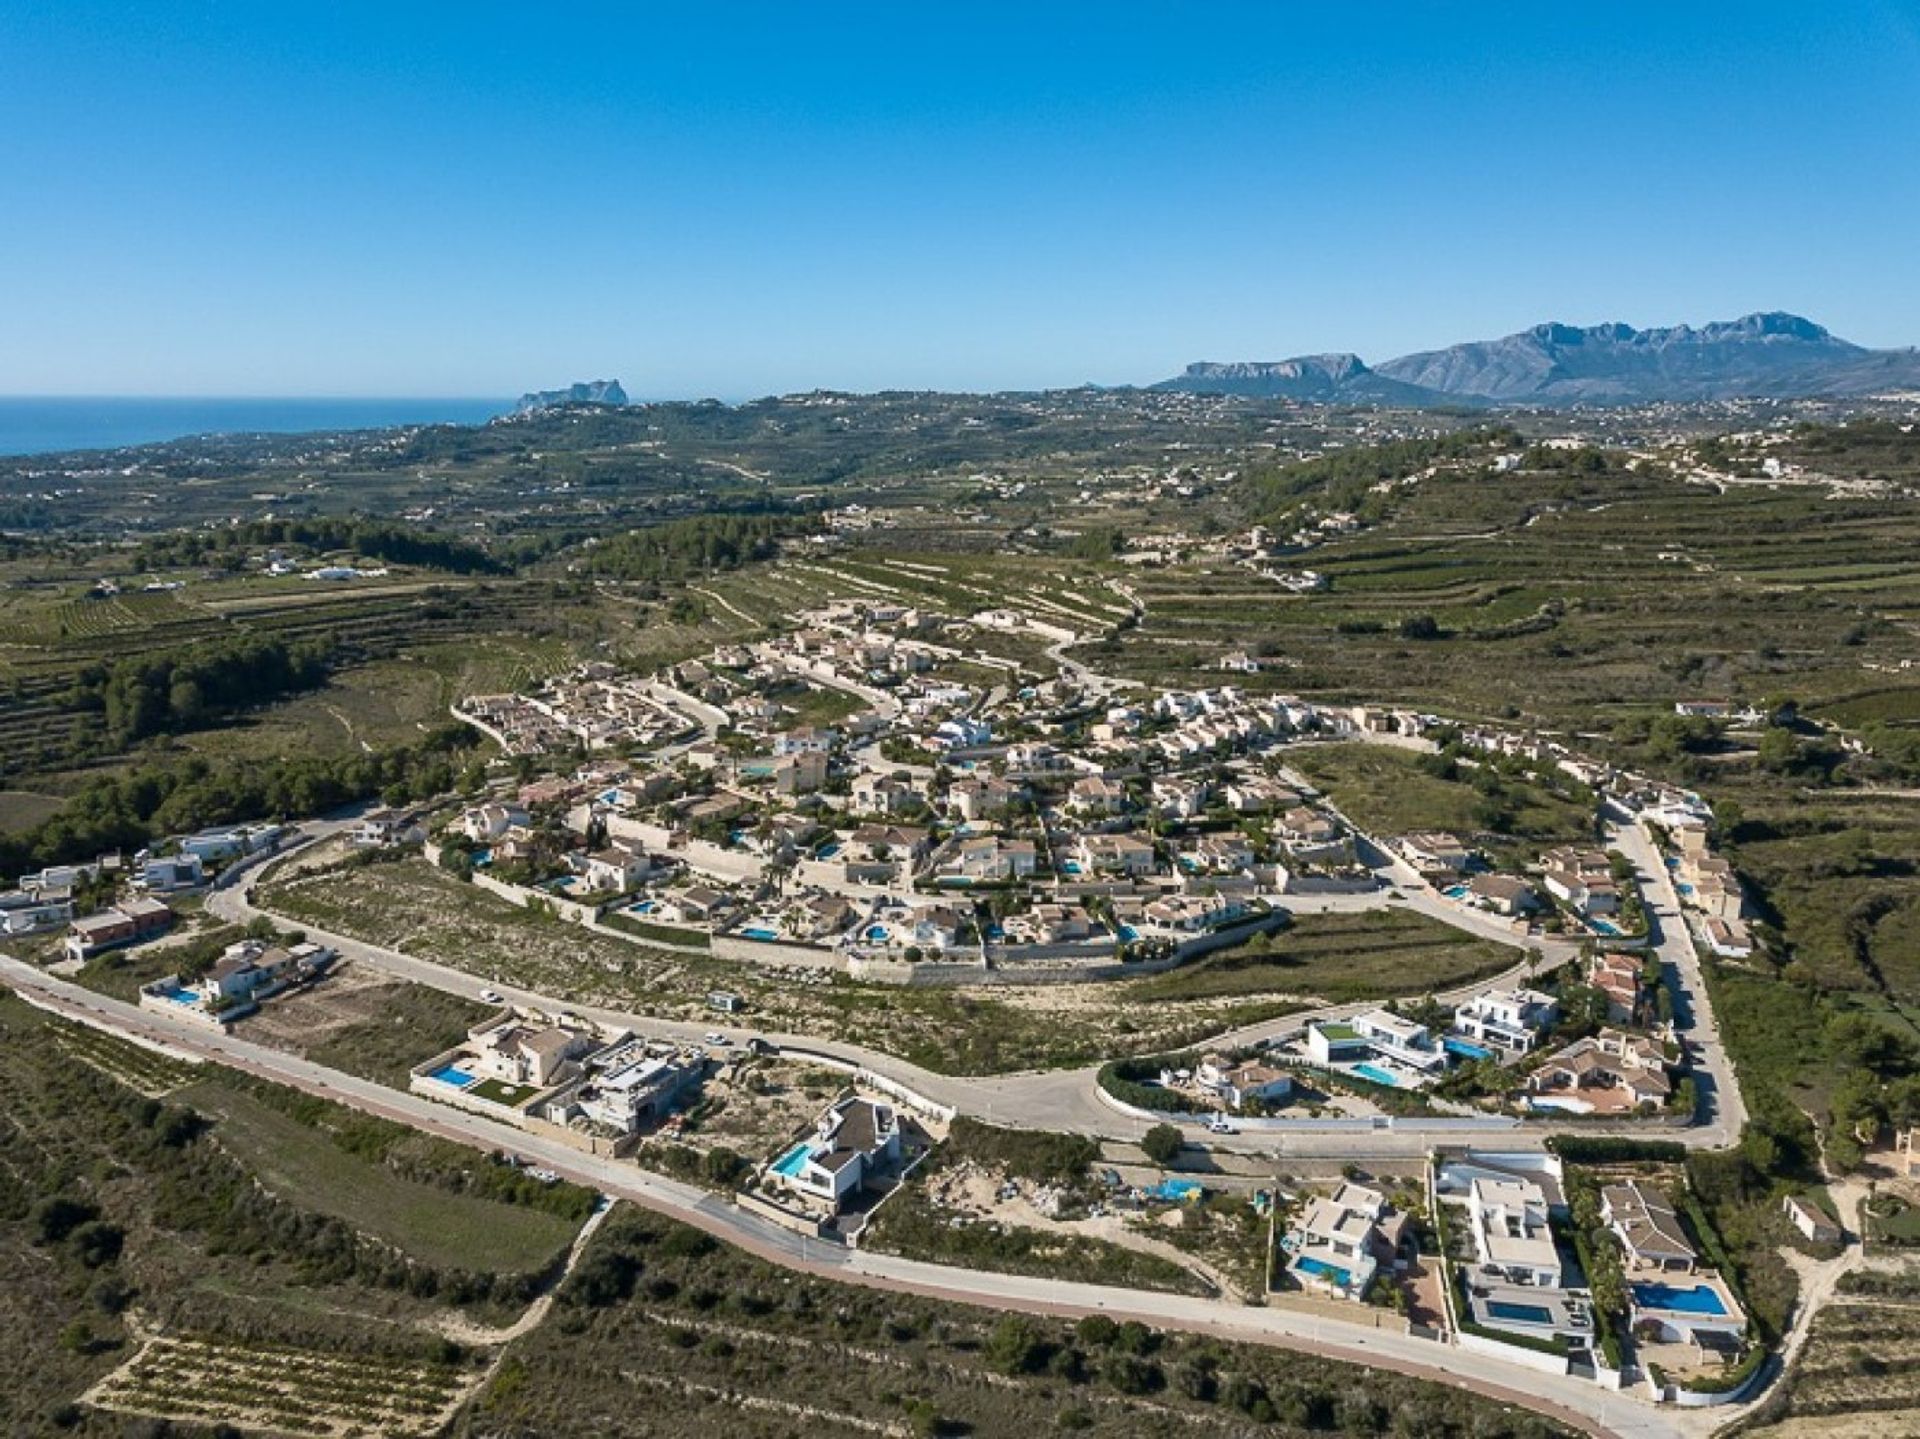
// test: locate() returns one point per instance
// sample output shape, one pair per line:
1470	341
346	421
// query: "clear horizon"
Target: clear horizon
456	202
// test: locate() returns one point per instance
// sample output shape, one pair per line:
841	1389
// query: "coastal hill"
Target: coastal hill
583	392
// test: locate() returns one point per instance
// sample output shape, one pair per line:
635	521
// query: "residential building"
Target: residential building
1648	1228
1096	795
490	821
1240	1083
1433	851
1114	854
1510	1020
856	1140
128	922
990	858
1610	1071
521	1052
1512	1235
1503	894
1810	1221
1338	1243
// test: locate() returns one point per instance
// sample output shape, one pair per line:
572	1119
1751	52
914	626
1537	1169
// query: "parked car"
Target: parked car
719	1040
491	996
1220	1124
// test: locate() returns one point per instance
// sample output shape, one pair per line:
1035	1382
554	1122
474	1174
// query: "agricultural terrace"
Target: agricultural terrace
282	1388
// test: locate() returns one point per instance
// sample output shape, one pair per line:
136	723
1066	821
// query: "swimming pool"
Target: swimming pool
454	1075
1698	1300
1323	1270
1376	1074
1069	866
1466	1050
1519	1313
1128	932
179	994
876	934
793	1161
828	851
1601	926
646	906
1456	891
760	931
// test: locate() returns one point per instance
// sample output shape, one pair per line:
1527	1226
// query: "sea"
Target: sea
31	425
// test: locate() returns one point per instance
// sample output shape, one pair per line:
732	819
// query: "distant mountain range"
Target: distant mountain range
1771	355
584	392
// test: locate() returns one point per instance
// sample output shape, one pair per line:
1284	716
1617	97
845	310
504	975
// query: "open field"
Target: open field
1389	791
308	1165
1337	958
366	1024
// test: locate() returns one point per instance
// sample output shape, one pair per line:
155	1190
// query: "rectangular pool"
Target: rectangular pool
1466	1049
453	1074
1698	1300
793	1161
1519	1313
1323	1270
1376	1074
760	931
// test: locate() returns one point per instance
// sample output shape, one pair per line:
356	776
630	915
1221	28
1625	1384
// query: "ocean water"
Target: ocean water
38	425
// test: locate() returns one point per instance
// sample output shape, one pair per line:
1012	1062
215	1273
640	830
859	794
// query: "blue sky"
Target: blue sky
410	199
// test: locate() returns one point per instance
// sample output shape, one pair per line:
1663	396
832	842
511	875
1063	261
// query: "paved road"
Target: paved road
1570	1400
1722	1109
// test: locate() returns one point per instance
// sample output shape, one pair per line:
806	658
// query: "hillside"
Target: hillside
1766	355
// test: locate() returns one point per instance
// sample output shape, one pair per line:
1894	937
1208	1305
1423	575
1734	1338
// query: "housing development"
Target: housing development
877	797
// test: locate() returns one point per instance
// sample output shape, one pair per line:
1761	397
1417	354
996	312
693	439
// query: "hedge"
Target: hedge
1603	1149
1122	1079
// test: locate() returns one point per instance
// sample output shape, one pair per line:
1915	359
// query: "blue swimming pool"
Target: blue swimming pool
828	851
793	1161
876	934
1176	1191
178	994
1697	1300
760	931
1456	891
1466	1049
1324	1270
454	1075
1519	1313
1376	1074
646	906
1128	932
1601	926
1069	866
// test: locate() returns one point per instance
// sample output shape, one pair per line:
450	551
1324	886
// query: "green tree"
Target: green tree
1162	1144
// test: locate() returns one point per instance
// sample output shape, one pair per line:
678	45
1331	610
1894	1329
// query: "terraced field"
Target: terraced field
1569	607
281	1388
1859	1375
